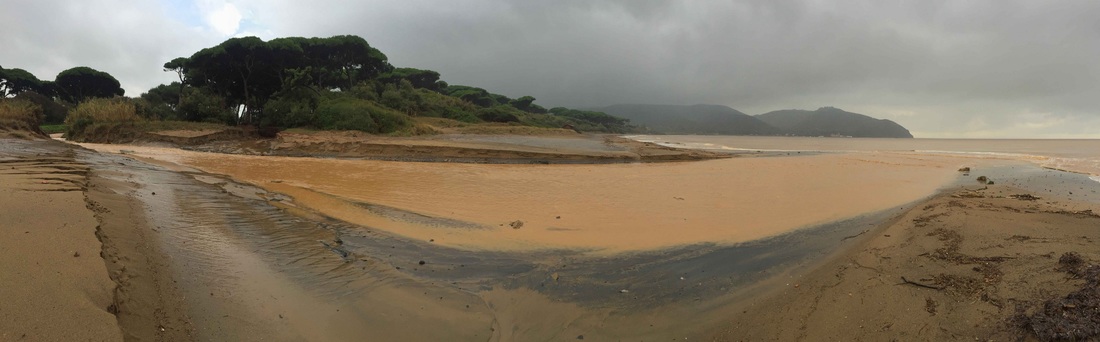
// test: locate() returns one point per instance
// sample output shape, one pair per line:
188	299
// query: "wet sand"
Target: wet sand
599	208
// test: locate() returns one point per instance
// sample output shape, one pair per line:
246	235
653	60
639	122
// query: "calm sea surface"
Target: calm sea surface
1075	155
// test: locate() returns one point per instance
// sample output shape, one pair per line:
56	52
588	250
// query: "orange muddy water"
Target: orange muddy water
595	208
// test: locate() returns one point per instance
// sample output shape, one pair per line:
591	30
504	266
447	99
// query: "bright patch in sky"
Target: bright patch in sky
225	19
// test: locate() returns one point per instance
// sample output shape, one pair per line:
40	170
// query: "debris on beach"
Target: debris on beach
965	169
1072	317
1025	197
517	224
982	179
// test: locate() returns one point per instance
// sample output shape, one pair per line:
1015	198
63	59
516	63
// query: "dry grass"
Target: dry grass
20	117
104	110
102	117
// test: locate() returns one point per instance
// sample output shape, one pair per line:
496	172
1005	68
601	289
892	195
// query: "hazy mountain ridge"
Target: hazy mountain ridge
694	119
718	119
830	121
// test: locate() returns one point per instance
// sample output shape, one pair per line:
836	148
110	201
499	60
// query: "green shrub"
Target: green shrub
349	113
53	112
291	109
498	114
153	110
203	105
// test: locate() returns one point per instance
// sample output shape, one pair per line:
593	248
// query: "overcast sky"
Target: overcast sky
976	69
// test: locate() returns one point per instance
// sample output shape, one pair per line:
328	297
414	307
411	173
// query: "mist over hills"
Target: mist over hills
718	119
694	119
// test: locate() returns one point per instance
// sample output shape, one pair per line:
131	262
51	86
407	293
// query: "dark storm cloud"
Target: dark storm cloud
941	68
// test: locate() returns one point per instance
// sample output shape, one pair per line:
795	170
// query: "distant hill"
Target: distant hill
694	119
828	121
717	119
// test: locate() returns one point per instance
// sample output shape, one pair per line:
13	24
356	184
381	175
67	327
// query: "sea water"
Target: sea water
1072	155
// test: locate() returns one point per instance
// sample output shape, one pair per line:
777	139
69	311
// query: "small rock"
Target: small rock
421	262
554	276
559	217
982	179
580	337
517	224
965	169
624	291
154	193
76	254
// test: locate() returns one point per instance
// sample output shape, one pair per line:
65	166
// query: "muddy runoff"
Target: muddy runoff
224	260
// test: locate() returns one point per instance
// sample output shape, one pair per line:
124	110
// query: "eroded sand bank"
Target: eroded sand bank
602	208
53	284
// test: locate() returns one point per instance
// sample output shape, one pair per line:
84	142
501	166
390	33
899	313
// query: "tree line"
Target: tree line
339	82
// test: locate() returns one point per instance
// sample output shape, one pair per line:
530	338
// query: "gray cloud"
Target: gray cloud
941	68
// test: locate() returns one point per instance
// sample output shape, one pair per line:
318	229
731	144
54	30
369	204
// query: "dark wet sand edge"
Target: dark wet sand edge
148	304
632	152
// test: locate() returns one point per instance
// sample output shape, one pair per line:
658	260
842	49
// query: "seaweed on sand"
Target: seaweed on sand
1075	317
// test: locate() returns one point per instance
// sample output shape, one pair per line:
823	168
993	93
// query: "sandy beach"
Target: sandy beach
188	245
975	263
55	284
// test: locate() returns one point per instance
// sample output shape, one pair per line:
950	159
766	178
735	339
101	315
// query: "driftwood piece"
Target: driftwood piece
907	281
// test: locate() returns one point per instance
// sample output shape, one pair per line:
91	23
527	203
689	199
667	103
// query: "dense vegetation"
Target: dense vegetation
335	83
